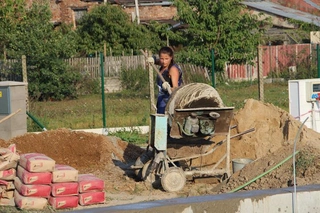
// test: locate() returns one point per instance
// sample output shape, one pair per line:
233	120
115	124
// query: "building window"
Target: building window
78	13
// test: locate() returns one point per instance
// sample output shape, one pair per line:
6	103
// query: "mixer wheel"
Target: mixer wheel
173	179
150	177
141	160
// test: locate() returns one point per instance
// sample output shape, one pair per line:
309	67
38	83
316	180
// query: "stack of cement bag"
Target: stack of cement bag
70	188
33	181
91	190
39	181
64	187
8	164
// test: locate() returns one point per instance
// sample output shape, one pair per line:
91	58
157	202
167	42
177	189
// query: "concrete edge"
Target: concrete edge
140	129
248	201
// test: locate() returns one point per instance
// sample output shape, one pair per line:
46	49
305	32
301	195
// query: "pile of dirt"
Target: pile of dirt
86	152
274	128
270	143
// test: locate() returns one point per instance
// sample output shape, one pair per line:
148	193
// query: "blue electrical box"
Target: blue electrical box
159	131
5	100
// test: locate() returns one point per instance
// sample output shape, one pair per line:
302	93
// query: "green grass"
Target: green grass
234	94
86	112
127	109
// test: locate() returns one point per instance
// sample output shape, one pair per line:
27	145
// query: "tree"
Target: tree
110	25
167	36
224	26
45	49
11	13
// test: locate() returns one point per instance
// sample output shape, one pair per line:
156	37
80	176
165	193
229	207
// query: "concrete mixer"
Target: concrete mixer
196	123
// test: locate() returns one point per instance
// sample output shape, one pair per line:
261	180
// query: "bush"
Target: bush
135	79
51	80
88	86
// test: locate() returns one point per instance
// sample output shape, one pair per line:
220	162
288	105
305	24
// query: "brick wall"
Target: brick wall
154	12
63	10
300	5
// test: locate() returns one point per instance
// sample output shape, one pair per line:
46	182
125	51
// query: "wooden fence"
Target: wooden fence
192	73
274	59
112	65
10	70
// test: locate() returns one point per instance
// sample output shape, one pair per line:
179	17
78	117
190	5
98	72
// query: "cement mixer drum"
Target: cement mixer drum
196	110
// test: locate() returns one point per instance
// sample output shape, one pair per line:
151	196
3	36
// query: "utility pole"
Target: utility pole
137	11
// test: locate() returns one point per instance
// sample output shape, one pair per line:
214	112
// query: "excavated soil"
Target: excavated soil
270	143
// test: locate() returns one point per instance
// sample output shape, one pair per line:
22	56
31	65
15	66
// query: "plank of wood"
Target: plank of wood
9	116
208	180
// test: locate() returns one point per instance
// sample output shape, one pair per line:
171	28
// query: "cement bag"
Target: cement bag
90	183
22	202
34	177
64	202
36	162
67	188
7	202
89	198
64	173
9	174
32	190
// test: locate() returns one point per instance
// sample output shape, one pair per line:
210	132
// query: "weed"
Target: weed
137	189
132	136
303	161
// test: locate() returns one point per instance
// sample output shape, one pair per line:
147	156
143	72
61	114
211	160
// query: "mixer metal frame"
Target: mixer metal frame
161	167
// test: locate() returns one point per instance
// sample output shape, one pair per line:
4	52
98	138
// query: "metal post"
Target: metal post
104	130
318	59
36	121
212	69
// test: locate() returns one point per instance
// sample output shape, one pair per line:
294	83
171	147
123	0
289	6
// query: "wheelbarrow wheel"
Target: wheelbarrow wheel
140	161
150	177
173	179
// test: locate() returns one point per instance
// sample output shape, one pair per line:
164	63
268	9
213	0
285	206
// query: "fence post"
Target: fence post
260	73
25	79
212	69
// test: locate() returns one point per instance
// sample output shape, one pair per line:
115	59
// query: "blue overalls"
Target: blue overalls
163	96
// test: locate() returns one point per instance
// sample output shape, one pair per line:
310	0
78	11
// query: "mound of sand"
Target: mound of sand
271	143
274	128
